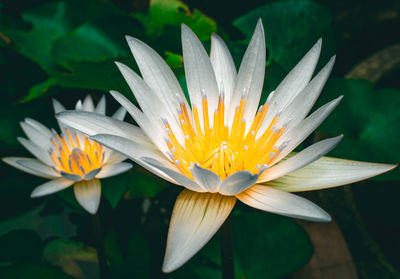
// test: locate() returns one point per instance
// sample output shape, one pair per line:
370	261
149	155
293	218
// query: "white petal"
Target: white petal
92	174
250	78
134	151
88	194
224	67
70	176
31	166
93	123
37	151
115	157
195	219
301	105
101	106
157	74
58	107
79	105
199	73
37	136
237	182
51	187
177	177
282	203
328	172
156	133
114	169
207	178
296	80
300	132
120	114
301	159
88	104
152	105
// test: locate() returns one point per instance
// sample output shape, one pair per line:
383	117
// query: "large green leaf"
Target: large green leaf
265	246
50	21
369	120
68	254
291	28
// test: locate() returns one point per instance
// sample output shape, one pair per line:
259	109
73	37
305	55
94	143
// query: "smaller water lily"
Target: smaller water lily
69	158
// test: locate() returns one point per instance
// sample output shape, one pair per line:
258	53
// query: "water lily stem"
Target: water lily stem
100	246
227	266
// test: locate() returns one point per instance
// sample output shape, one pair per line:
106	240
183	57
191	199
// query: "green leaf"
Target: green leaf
291	28
39	90
69	256
136	259
50	21
98	40
46	226
144	185
175	12
265	246
369	120
16	241
24	271
174	60
268	245
113	188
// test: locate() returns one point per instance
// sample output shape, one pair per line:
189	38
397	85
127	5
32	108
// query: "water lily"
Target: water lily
224	147
69	158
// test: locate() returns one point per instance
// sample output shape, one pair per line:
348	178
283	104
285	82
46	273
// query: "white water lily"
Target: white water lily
70	158
224	147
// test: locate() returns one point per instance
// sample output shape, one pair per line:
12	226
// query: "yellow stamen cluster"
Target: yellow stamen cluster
220	149
72	155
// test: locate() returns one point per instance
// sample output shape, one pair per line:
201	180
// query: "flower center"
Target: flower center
222	149
76	154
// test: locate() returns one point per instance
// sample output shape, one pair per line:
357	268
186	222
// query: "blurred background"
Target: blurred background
66	49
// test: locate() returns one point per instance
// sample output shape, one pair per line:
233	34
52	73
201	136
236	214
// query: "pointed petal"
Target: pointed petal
119	114
195	219
101	106
93	123
178	178
31	166
37	151
79	105
296	80
114	158
70	176
134	151
37	135
114	169
282	203
156	133
157	74
328	172
88	104
51	187
207	178
88	194
92	174
58	107
199	72
224	67
301	159
237	182
250	78
301	105
299	133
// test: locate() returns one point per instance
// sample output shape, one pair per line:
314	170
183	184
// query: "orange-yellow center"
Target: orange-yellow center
76	156
222	149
